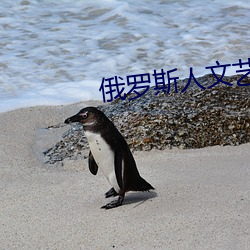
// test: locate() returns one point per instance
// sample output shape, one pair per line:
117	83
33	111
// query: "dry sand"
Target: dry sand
201	201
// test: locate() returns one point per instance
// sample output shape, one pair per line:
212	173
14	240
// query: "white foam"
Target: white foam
58	52
56	94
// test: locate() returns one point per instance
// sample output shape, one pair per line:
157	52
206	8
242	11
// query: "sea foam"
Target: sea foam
58	52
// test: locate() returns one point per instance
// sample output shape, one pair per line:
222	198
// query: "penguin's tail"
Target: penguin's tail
141	185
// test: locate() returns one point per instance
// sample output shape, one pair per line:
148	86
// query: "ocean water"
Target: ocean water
57	52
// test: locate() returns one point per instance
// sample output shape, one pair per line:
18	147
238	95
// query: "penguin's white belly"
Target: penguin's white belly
104	157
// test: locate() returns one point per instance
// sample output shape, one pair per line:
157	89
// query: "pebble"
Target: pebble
193	119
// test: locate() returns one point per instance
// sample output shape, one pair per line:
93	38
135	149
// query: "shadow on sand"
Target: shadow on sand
138	198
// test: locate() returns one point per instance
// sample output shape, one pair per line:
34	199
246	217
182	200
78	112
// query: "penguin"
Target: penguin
110	152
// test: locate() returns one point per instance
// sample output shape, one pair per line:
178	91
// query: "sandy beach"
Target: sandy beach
201	198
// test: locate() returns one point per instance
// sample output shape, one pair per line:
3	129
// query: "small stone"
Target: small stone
182	132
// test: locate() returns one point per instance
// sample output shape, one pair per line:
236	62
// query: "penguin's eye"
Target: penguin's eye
84	115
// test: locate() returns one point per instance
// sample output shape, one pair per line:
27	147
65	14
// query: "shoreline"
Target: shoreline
201	198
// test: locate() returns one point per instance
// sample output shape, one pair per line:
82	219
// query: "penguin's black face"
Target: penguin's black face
89	116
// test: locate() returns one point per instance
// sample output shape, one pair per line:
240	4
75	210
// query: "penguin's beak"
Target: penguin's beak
74	118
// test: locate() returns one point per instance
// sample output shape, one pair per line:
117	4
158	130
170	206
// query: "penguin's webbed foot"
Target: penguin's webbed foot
111	193
113	204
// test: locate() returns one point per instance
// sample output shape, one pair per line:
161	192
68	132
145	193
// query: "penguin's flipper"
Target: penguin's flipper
118	166
93	167
111	193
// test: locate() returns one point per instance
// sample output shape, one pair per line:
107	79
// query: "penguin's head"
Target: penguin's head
88	117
